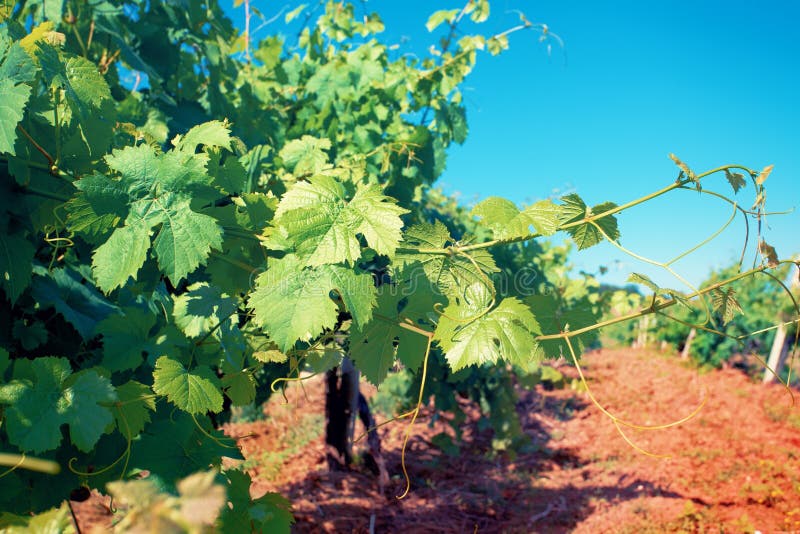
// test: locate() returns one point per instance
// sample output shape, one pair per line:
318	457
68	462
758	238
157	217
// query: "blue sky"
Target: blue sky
714	82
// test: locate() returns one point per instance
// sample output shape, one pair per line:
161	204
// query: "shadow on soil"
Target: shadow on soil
473	491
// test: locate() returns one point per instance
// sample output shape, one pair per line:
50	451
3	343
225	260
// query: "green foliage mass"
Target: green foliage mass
258	208
724	321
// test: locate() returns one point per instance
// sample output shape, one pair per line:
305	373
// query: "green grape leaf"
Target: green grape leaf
322	360
306	307
305	156
86	418
439	17
555	317
274	512
210	134
175	445
481	11
80	303
507	222
469	335
18	66
255	210
585	235
408	301
451	119
735	179
29	336
196	391
270	356
132	411
725	303
503	217
449	274
372	347
185	240
240	387
200	310
293	14
161	188
12	109
98	208
126	338
229	176
121	256
86	87
52	397
16	256
323	221
545	216
637	278
269	513
497	44
5	362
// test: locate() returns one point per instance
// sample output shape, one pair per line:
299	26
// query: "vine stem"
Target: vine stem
446	251
22	461
416	410
655	307
38	147
56	99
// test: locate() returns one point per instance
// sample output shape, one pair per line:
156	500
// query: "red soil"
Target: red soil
735	467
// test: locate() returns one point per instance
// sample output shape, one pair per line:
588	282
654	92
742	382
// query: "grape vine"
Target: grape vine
174	248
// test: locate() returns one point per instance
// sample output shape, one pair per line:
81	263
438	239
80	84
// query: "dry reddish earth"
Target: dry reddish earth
735	467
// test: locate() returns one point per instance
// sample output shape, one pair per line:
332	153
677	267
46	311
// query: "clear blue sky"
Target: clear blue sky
715	82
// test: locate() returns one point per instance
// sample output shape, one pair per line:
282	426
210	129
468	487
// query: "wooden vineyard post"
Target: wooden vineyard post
780	346
687	346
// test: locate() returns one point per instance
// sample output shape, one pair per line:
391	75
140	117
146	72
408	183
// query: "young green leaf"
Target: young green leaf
16	256
585	235
79	303
240	387
503	218
202	308
210	134
725	303
636	278
406	301
735	179
323	221
468	336
51	397
449	273
12	109
132	411
305	156
126	338
439	17
306	307
121	256
556	316
194	391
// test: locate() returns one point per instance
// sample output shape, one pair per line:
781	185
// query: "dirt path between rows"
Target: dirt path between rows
735	467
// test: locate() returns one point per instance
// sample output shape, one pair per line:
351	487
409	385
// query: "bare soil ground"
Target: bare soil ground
735	467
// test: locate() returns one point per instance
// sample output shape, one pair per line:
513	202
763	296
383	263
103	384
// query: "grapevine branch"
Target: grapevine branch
446	251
